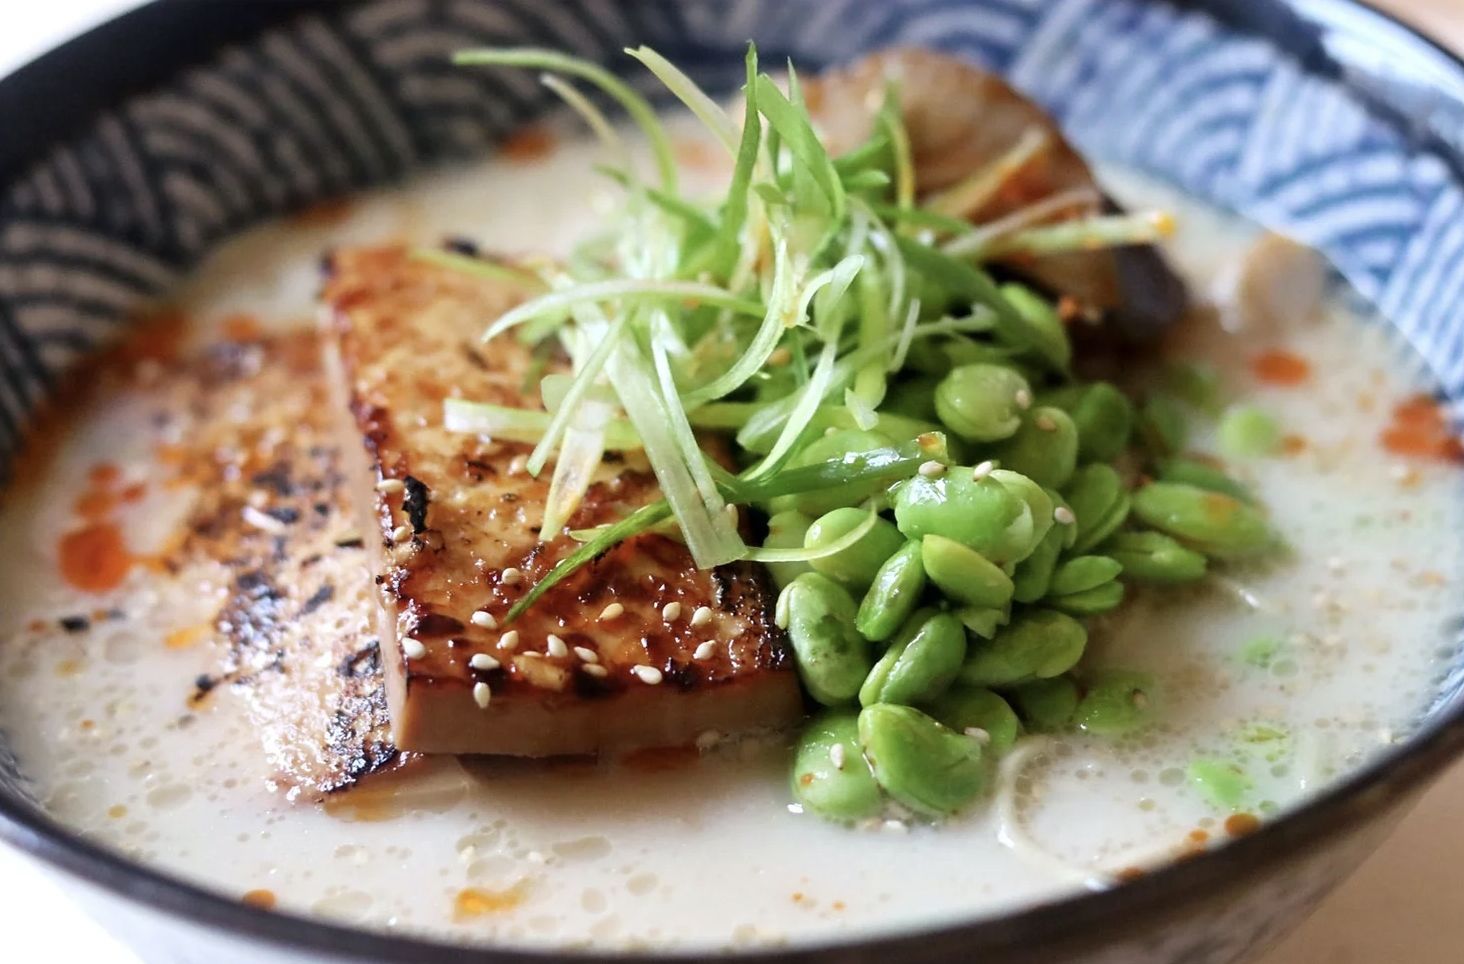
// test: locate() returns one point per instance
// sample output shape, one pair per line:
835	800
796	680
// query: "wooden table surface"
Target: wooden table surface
1444	19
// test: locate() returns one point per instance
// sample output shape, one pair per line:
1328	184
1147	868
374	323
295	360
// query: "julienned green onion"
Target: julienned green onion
483	268
521	424
781	310
978	188
890	464
1102	231
622	290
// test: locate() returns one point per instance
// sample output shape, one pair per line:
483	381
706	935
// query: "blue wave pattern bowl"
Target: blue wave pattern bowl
1321	118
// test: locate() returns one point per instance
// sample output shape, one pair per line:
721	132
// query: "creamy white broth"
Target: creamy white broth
711	854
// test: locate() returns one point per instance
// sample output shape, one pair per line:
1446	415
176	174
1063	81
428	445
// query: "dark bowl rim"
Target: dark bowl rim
1387	782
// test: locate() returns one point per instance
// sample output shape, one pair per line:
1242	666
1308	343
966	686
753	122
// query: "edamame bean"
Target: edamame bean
1153	557
1023	536
975	512
923	765
1117	702
1092	602
1044	448
983	622
1163	426
1105	420
1223	782
828	447
1248	432
1037	644
1098	500
831	778
893	595
833	659
1045	332
1034	573
1197	384
967	708
1104	417
1197	473
1046	705
786	531
1218	525
982	403
1082	573
919	664
963	574
968	351
855	566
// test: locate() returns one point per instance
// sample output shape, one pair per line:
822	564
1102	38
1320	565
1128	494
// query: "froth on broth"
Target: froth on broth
151	715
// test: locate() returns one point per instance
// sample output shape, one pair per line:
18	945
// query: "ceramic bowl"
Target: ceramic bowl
132	150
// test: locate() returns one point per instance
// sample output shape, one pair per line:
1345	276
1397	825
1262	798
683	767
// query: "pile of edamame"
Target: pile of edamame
959	619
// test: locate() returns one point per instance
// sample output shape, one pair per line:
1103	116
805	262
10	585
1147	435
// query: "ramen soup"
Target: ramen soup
188	671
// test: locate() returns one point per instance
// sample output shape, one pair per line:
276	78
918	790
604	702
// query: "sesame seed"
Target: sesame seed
612	611
671	612
595	670
733	514
587	654
511	576
263	521
647	674
517	464
1046	423
390	486
983	470
1064	515
704	650
481	695
554	646
484	619
702	616
978	734
401	534
932	469
509	640
484	662
1023	398
836	756
895	826
413	648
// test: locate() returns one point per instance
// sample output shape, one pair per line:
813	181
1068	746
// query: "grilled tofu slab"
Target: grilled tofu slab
270	533
637	649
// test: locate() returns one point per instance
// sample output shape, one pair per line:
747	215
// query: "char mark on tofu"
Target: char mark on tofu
596	664
297	604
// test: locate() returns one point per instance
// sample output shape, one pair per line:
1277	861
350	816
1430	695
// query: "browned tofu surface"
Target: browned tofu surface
595	664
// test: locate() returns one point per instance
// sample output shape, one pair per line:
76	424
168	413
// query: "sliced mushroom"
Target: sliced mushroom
962	119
